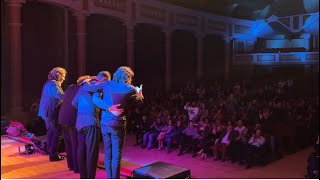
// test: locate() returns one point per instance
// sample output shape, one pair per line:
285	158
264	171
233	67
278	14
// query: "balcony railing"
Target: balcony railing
277	58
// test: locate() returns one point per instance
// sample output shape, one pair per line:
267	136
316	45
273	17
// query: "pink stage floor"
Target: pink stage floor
33	166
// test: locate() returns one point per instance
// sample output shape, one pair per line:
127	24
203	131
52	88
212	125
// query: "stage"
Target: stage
36	166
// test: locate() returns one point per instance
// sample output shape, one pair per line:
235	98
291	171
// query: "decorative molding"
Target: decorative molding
312	57
242	29
117	5
266	57
187	20
152	12
290	57
213	25
276	58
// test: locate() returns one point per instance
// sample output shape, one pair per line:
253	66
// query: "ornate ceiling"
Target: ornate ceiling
250	9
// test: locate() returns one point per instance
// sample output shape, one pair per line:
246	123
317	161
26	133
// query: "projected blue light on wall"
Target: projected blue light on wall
311	5
262	29
285	43
312	24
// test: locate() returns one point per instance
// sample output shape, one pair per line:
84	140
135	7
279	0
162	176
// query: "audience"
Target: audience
218	116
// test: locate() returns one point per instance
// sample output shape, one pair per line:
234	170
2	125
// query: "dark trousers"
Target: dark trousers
220	146
205	144
139	137
148	138
256	151
170	138
185	140
238	150
70	136
88	151
113	139
53	132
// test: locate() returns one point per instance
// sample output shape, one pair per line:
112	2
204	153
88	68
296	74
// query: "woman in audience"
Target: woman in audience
167	129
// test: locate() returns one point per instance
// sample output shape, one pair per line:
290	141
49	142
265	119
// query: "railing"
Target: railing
165	15
277	58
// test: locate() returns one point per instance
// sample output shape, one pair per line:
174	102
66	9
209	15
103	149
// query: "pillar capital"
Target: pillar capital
15	24
14	2
129	25
200	35
227	38
167	31
81	15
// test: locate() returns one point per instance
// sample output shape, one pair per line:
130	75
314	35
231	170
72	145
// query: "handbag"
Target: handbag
13	131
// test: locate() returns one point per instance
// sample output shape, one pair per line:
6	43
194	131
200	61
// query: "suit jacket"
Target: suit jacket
68	113
51	99
114	93
86	115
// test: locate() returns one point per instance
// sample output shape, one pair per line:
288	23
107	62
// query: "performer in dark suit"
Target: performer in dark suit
67	119
117	91
51	99
88	128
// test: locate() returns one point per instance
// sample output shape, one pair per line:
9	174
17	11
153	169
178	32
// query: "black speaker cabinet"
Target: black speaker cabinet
161	170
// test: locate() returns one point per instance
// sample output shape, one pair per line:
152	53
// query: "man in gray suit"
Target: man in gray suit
88	128
115	92
51	99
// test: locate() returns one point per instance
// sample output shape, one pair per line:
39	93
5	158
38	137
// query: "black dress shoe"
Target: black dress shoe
56	158
168	151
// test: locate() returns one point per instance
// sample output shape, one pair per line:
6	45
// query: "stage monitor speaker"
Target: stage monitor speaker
161	170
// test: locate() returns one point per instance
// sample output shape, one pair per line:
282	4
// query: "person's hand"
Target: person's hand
87	81
216	142
115	111
139	89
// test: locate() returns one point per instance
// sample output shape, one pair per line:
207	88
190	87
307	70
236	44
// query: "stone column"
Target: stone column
168	63
16	111
66	39
81	42
130	46
228	57
199	56
14	29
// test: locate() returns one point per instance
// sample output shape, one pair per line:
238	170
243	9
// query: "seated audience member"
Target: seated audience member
222	143
192	109
255	147
313	163
233	137
188	136
176	134
204	141
240	146
142	128
164	131
240	127
154	132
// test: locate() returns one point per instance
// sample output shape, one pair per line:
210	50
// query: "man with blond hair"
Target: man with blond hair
117	91
51	99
